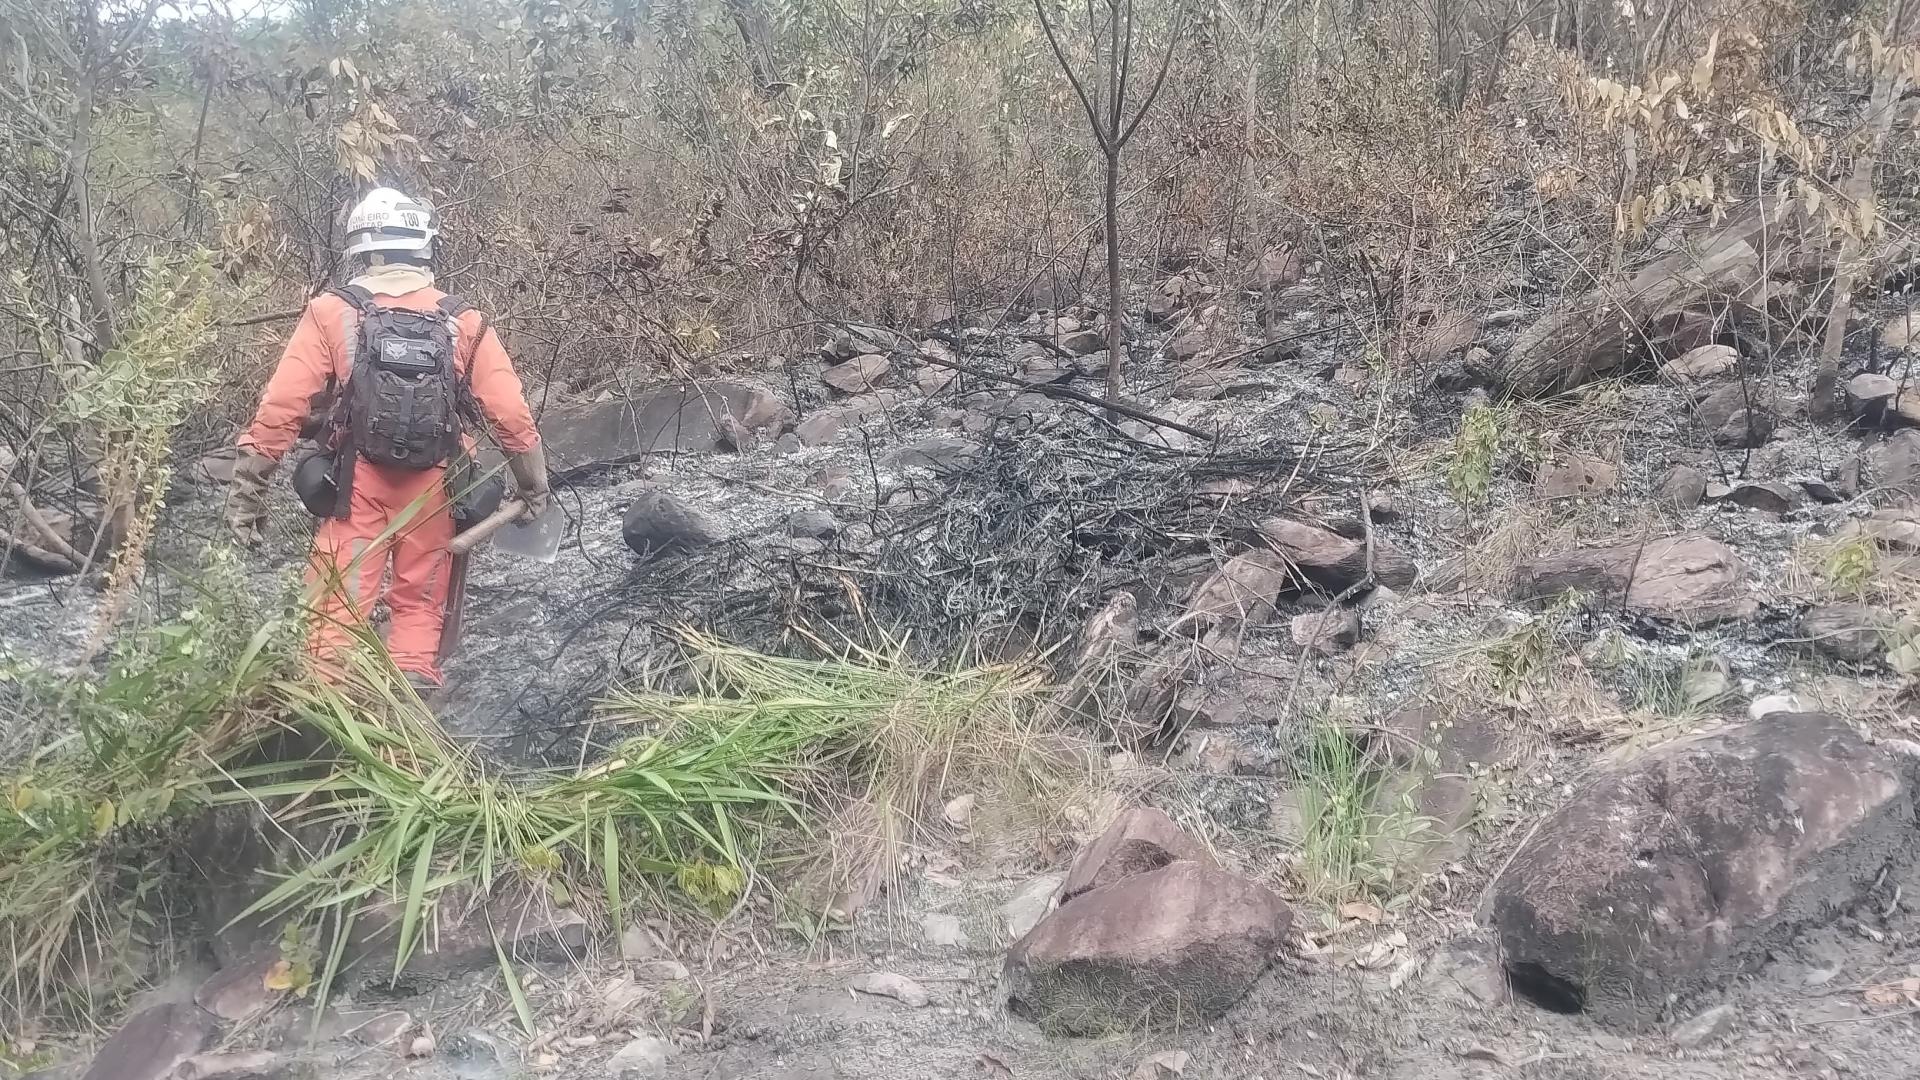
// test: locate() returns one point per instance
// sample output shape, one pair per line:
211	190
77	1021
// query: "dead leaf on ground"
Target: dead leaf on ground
1408	969
1363	911
959	812
888	984
993	1067
1164	1064
1374	956
1903	992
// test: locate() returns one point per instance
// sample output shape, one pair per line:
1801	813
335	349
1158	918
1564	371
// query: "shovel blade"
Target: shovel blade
538	539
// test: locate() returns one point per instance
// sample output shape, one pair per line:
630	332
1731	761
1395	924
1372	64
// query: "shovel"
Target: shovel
538	539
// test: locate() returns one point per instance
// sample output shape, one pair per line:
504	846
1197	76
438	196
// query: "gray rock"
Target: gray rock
1678	869
1896	467
688	417
1332	561
152	1044
1242	591
238	991
1850	632
1326	632
1576	475
1683	487
656	522
1688	579
1704	362
860	374
942	931
645	1056
1868	394
1772	497
819	429
936	452
1083	342
1737	415
1168	948
1714	1023
1139	840
1024	910
816	524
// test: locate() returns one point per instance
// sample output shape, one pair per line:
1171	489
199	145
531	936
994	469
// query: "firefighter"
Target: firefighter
403	365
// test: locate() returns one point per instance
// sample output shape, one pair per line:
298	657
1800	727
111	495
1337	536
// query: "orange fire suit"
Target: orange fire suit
347	570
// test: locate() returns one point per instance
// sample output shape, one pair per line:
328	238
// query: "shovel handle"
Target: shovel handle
487	526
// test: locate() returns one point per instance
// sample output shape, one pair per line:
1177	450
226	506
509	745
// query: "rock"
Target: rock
683	417
1189	343
1332	561
1279	267
644	1056
857	340
526	923
1095	691
1673	334
819	429
1439	334
932	379
815	524
1678	869
1737	416
1850	632
1576	476
1683	487
1212	383
1774	498
1435	760
1171	947
656	522
942	931
1895	530
1868	394
888	984
1895	467
1289	302
1139	840
788	445
1897	334
1714	1023
1771	704
152	1044
860	374
235	1065
1689	579
940	453
1705	362
376	1027
1327	632
238	991
1031	903
1083	342
1242	591
1252	690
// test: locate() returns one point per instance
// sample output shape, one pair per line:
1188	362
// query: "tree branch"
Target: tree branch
1159	80
1066	68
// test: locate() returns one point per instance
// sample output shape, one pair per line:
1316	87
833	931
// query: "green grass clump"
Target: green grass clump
1476	449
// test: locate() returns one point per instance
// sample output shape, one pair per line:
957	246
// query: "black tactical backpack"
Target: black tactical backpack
404	395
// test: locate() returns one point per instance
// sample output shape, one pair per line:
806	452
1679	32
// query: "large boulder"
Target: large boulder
1679	869
656	523
1169	948
1334	562
1688	579
681	417
1139	840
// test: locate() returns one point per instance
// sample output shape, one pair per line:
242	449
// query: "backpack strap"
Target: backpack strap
358	296
463	375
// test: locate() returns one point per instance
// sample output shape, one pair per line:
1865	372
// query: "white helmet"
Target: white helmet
389	220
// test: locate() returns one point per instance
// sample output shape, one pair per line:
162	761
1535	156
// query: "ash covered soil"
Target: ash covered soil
962	514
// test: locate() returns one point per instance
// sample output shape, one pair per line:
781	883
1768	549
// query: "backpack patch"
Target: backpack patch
404	395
